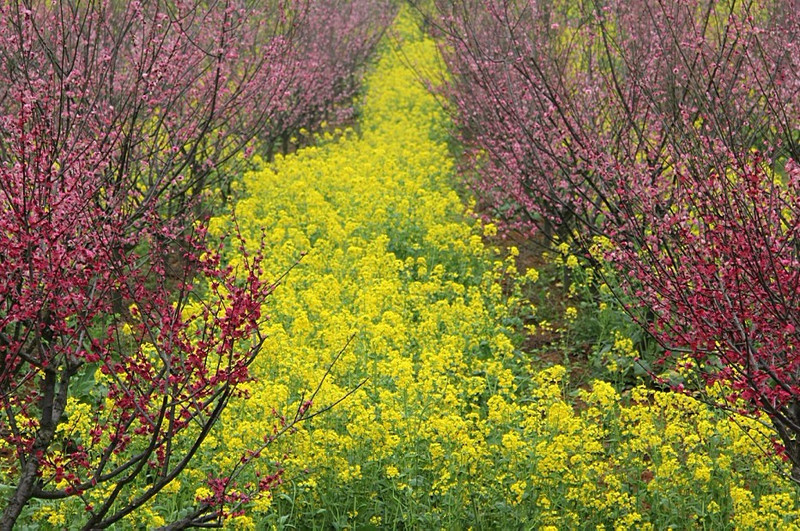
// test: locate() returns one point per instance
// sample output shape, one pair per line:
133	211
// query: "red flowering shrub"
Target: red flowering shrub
670	128
115	118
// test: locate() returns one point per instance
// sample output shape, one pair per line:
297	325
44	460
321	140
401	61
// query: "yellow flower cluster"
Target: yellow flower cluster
392	261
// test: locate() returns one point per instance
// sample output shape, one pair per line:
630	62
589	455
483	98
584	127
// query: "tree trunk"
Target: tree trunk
53	405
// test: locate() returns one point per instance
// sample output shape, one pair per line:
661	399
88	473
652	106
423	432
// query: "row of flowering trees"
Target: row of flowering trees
670	130
116	313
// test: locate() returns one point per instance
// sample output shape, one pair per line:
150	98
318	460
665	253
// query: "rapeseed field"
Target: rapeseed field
395	311
448	423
